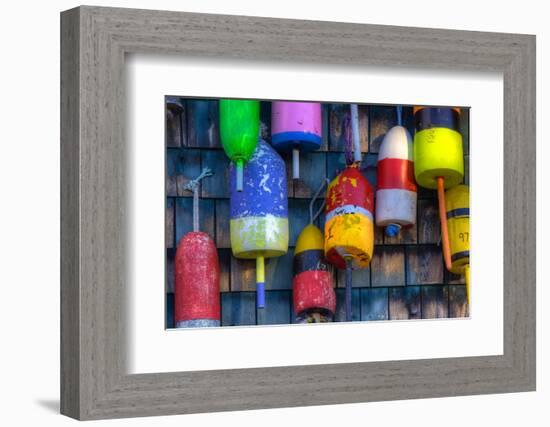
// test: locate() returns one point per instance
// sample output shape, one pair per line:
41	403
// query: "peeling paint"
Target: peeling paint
349	228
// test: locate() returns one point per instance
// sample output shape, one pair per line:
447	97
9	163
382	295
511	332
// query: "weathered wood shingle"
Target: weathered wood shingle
277	308
435	301
238	308
217	185
374	304
170	227
388	266
175	121
203	123
340	315
405	303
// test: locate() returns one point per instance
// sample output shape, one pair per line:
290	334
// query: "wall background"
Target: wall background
406	278
29	214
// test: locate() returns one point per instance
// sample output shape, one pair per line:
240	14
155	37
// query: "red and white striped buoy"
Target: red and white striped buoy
396	186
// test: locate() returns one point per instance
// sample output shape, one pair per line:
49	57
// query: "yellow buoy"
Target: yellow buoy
457	207
438	147
438	159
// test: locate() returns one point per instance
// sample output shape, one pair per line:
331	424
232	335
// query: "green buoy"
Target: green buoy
239	130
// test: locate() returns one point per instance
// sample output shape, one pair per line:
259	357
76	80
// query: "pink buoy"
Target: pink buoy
296	126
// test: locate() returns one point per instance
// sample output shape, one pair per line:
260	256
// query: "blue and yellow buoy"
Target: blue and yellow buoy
259	213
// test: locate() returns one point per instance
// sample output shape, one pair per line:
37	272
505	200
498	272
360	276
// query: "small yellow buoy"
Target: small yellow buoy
457	207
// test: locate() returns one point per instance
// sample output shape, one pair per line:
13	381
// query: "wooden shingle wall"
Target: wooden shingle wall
406	279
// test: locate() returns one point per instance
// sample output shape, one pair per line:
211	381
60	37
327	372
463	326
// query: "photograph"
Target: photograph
291	212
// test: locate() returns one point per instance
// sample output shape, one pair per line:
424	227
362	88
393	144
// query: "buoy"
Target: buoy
313	285
438	158
349	227
296	127
457	206
239	130
395	184
259	213
437	147
197	271
349	220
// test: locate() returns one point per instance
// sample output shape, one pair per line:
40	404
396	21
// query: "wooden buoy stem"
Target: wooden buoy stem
355	133
196	210
295	163
193	186
399	115
260	282
239	174
467	280
313	217
349	313
443	220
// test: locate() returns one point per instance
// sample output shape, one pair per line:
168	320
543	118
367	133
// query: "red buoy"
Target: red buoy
197	271
197	286
313	285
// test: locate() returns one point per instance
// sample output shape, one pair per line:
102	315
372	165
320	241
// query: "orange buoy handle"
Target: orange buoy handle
443	220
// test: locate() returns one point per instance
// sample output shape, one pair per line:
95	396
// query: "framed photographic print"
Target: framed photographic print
345	212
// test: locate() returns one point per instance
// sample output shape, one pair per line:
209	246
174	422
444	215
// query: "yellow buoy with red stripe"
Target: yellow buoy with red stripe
457	207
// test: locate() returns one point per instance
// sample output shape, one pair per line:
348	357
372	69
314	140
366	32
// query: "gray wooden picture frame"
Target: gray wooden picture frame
94	41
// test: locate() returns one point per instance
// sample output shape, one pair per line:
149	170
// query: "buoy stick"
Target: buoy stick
239	174
399	115
313	217
348	289
260	282
467	280
295	163
193	186
443	220
355	133
195	210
